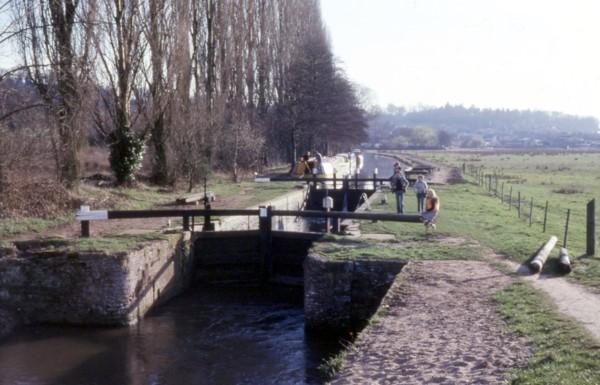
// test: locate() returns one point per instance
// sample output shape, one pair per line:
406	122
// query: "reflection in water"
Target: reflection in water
207	336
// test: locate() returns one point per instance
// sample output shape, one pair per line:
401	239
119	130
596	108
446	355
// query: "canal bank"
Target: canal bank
160	272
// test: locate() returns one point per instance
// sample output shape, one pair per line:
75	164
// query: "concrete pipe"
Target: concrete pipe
538	261
564	263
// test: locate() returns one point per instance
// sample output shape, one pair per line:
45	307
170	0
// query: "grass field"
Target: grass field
565	180
563	353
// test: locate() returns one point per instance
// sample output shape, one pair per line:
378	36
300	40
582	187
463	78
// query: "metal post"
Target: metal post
510	198
186	223
375	180
531	212
334	181
264	229
519	204
85	229
566	229
545	216
356	180
502	194
591	228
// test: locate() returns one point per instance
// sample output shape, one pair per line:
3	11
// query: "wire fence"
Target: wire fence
576	225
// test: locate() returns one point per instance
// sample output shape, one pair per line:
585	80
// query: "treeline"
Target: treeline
471	127
193	85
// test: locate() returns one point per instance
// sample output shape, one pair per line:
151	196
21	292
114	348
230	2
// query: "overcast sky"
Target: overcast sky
537	54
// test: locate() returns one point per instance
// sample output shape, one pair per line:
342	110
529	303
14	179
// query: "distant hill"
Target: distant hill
475	127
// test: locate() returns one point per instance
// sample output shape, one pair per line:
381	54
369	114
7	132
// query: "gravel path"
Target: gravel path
440	327
571	299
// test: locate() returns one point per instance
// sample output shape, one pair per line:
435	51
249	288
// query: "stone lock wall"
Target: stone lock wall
93	287
340	294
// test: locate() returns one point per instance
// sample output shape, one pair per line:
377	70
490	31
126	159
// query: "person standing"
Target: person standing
398	183
420	188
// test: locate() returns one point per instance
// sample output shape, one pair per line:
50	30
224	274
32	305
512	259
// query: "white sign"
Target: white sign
262	212
260	179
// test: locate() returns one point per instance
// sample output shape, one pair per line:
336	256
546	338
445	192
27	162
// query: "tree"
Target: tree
121	50
445	138
54	42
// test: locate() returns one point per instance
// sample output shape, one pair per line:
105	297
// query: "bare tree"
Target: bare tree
55	49
121	49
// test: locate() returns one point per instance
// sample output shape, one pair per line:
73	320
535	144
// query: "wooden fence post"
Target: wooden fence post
496	186
566	237
502	194
519	204
531	212
510	198
85	229
591	228
545	216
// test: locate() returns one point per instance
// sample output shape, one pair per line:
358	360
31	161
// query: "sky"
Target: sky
524	54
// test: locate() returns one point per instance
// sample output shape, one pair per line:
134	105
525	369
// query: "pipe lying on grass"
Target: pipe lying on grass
538	262
564	264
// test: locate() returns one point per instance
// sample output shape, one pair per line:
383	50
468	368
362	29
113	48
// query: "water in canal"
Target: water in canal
214	335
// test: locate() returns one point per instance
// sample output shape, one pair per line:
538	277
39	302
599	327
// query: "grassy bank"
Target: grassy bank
563	353
228	194
566	180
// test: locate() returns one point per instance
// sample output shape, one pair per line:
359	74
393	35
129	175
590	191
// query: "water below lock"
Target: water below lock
208	335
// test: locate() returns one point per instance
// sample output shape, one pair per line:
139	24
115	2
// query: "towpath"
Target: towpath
437	325
570	298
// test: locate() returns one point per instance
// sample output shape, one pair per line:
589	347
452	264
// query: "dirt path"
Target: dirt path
440	174
571	299
440	326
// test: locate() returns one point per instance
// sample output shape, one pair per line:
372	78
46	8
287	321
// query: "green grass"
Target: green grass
412	241
541	175
567	180
563	353
12	227
115	243
228	194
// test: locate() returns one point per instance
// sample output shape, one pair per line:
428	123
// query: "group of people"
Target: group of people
428	203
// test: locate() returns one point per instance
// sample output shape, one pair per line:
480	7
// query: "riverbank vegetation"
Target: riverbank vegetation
164	93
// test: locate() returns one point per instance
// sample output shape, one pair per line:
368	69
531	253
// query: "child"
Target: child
420	188
432	208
